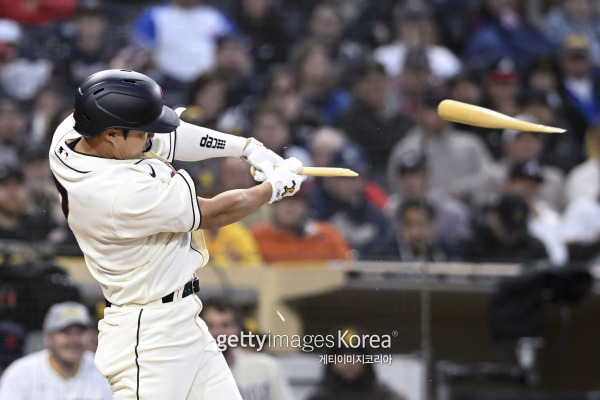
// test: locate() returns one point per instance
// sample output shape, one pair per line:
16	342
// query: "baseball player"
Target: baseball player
133	215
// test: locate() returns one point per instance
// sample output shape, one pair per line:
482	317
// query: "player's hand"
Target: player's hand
283	181
256	154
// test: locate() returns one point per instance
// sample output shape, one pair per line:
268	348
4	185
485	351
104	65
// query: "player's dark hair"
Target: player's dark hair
125	133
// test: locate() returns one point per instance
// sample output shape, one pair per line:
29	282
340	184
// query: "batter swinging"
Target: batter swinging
133	215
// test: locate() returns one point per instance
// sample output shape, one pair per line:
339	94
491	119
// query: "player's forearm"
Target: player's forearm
195	143
233	205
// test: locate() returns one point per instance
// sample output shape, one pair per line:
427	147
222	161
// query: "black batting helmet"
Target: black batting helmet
118	98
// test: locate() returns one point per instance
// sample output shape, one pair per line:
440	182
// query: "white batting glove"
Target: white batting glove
256	153
283	182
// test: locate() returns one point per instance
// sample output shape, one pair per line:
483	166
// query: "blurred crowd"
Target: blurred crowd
341	83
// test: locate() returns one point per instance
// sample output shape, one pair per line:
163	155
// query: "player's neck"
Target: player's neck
91	147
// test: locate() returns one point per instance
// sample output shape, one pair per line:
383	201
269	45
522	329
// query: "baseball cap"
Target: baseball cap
412	162
513	211
504	71
575	45
351	156
63	315
8	172
509	135
12	342
529	169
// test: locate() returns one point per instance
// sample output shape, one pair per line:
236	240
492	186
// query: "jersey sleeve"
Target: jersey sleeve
146	206
163	147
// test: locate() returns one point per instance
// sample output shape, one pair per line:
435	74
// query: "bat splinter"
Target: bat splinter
468	114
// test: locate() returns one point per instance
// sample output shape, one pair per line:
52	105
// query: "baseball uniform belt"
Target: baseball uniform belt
191	287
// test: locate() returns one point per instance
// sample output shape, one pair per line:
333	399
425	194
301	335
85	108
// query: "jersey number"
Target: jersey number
64	197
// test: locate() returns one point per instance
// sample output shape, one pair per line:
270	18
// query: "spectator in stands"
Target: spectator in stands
87	50
280	90
504	32
344	203
292	237
454	157
415	28
500	233
581	229
39	12
583	181
12	342
579	87
416	233
526	178
270	127
12	130
317	82
16	222
326	26
64	369
574	16
323	143
349	377
206	100
257	375
521	146
413	81
374	120
268	37
181	36
235	67
451	216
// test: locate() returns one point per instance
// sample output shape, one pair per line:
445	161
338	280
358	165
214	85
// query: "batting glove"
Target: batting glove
283	182
256	154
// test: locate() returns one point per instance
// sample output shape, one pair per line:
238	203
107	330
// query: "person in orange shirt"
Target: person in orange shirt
291	236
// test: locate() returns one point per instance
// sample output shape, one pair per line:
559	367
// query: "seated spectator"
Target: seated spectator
323	143
291	236
206	101
414	27
317	82
581	228
579	87
505	32
500	234
454	157
64	369
526	178
16	223
351	378
372	120
13	123
451	216
12	342
267	35
520	146
164	31
583	181
574	16
416	233
343	201
258	375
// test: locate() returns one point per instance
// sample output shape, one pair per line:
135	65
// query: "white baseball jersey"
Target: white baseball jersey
32	377
132	218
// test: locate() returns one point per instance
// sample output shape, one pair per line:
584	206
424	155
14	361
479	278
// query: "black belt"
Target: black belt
192	286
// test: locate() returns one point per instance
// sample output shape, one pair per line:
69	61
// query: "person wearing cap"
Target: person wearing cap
345	203
454	157
291	236
520	146
64	369
526	178
579	85
500	233
451	216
